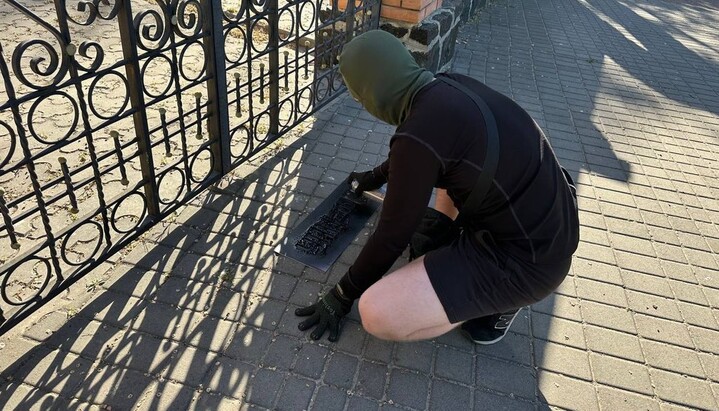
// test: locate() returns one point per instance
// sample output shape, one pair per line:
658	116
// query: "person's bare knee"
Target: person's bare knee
403	306
375	316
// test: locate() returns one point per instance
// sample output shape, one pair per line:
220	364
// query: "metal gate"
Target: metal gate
118	112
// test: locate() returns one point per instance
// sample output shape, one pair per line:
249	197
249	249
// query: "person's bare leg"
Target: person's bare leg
444	204
403	306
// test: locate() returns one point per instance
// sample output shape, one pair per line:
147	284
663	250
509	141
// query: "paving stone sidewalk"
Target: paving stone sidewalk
199	315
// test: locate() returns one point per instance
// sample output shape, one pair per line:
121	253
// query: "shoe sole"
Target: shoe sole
494	341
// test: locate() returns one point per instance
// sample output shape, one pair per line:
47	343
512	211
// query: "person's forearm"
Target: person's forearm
382	170
408	193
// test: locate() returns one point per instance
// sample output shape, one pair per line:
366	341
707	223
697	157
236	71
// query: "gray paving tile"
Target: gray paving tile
596	270
672	358
559	306
513	347
227	304
264	386
263	313
710	363
653	305
164	321
684	390
704	339
340	370
601	292
311	360
296	394
211	401
17	396
449	396
114	387
281	352
229	378
504	377
658	329
616	344
414	355
614	399
558	330
209	333
408	388
189	365
141	352
79	335
378	350
562	359
329	398
60	372
491	401
622	374
363	404
454	365
608	316
647	283
352	338
561	391
249	344
164	395
371	379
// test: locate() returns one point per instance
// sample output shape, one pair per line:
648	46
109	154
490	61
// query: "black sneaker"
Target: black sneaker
490	329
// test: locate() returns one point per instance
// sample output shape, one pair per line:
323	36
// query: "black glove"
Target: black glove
367	181
436	230
327	312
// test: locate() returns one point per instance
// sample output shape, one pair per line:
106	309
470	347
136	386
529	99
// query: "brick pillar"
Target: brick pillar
428	28
408	11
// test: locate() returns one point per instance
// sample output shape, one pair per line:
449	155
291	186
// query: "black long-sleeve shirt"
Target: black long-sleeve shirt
529	208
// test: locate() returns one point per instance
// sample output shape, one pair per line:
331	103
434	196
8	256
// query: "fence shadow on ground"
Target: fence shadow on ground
183	303
203	309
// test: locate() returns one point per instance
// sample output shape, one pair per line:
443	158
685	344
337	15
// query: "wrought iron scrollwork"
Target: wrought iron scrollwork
152	28
93	51
119	112
11	140
188	18
92	11
43	66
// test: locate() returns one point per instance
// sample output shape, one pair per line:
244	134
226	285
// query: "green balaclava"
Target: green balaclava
381	73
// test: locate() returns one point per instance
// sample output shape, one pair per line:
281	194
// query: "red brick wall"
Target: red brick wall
408	11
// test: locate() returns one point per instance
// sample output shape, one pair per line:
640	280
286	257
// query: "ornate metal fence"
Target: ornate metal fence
118	112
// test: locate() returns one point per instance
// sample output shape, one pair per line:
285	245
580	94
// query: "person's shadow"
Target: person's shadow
602	79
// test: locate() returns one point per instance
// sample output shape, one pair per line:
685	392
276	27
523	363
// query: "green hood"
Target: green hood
380	73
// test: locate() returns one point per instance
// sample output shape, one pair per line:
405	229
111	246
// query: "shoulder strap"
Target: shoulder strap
491	159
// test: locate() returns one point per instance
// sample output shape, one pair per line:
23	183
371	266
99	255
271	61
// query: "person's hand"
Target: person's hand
326	313
367	181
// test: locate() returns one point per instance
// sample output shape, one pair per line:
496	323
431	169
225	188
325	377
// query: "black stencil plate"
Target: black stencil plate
318	228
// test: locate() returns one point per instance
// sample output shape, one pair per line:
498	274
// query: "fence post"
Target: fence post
217	110
350	21
273	17
128	38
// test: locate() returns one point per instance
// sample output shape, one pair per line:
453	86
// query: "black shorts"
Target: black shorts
475	278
